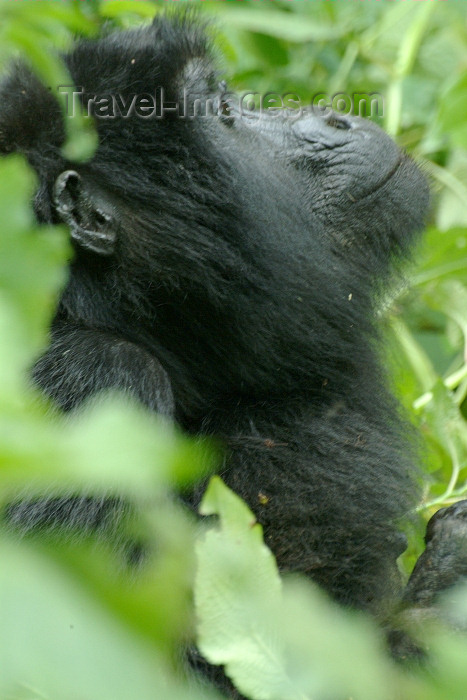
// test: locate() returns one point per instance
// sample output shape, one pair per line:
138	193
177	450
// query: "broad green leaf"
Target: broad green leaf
110	446
58	644
332	652
238	600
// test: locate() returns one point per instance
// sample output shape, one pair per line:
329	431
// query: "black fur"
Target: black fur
238	292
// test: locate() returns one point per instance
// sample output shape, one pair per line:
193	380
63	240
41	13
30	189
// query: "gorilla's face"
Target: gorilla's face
355	173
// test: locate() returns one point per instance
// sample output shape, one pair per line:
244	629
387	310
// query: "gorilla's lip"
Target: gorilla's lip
382	182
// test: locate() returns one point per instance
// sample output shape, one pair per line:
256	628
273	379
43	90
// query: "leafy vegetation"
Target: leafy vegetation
74	623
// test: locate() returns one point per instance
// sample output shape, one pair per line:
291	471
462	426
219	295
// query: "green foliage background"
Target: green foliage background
74	623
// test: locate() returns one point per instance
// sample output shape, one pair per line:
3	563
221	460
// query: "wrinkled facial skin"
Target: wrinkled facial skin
348	157
226	273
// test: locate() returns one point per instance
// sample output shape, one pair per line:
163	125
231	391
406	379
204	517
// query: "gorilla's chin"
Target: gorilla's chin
404	195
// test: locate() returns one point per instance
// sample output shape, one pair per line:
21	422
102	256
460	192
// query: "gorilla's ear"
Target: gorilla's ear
88	214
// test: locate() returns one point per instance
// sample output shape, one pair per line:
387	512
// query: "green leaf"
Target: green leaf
452	105
30	273
290	27
58	643
111	446
117	8
237	598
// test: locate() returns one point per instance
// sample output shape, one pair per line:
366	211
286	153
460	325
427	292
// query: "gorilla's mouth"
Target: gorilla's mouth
400	196
379	185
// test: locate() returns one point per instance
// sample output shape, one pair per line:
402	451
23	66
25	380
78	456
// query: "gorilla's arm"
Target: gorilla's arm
443	564
81	362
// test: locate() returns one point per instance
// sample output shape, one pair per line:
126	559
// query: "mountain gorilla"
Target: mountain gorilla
227	270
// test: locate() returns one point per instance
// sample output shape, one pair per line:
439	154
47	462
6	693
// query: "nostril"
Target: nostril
338	122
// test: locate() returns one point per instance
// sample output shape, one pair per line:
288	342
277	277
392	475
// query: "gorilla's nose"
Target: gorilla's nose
338	121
